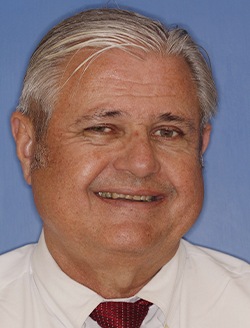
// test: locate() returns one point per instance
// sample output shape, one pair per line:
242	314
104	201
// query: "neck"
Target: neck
111	274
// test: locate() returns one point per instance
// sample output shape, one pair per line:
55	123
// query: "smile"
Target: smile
137	198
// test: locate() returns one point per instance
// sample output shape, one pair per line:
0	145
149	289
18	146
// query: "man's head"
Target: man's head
123	140
99	31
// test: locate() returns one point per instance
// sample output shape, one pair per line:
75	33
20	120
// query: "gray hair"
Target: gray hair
101	30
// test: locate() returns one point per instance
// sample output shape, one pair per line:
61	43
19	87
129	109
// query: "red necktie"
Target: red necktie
120	314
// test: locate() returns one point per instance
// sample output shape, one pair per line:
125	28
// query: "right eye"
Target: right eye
99	129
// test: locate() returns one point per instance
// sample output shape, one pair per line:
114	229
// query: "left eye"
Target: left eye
166	133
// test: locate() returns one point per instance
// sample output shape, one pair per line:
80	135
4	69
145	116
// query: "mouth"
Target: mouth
134	198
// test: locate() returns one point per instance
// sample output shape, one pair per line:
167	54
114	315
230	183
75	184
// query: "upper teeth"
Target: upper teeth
114	195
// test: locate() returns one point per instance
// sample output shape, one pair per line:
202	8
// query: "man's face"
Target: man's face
123	171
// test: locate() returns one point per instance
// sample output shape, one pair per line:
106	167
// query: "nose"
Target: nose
138	157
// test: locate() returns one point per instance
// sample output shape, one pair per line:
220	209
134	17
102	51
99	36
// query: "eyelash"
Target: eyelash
173	133
98	128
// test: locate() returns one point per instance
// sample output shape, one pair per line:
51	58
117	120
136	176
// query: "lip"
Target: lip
119	201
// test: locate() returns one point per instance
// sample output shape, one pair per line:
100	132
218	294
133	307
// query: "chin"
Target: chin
130	241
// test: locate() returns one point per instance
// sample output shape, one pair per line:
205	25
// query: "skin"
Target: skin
128	126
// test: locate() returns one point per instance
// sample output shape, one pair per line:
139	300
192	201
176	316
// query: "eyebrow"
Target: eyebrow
168	117
100	114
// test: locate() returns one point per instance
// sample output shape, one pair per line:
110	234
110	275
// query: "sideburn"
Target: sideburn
40	156
40	120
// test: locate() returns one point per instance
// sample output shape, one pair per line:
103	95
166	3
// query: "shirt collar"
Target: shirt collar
165	287
72	302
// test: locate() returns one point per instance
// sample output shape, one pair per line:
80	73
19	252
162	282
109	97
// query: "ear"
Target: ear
205	137
23	133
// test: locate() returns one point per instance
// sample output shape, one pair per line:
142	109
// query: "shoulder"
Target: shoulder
205	257
15	264
216	288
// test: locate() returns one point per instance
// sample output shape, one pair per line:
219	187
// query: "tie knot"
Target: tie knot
121	314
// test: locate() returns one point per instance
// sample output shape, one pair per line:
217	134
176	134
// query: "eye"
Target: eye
99	129
167	133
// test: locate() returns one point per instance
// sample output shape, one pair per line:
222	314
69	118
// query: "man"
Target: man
111	127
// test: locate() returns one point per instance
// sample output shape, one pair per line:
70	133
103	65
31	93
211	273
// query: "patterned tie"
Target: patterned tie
120	314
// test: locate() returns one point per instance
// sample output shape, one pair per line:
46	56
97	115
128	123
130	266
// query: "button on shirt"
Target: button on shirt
198	288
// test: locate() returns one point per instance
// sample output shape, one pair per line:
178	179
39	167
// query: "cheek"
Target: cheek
186	177
78	164
183	169
62	189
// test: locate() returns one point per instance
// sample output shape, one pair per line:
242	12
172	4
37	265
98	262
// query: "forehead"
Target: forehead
118	79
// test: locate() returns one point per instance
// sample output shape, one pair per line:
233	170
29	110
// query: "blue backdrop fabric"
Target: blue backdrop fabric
222	28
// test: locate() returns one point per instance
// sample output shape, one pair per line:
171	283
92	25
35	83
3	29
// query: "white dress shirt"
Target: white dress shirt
198	288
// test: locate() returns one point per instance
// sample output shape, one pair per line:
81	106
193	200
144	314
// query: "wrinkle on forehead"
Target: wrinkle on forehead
117	78
112	61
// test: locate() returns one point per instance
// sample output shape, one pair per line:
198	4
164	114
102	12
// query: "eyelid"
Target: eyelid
94	128
169	128
98	126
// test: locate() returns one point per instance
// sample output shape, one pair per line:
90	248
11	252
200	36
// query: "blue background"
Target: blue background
222	28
